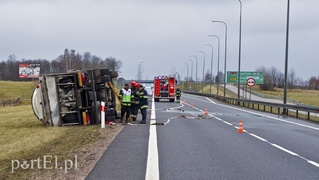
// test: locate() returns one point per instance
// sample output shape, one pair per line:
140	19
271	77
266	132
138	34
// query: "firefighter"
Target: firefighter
178	94
134	102
143	103
125	98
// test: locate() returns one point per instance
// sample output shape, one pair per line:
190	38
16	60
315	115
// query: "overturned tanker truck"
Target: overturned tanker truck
73	98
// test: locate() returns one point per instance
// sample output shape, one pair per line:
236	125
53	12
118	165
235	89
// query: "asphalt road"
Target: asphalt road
193	145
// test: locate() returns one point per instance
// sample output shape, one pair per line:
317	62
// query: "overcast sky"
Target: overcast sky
163	33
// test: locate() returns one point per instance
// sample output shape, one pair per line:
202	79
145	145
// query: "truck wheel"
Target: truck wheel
110	118
109	112
156	100
171	100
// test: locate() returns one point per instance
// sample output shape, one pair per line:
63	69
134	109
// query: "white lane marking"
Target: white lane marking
262	139
210	100
227	123
286	150
298	124
197	98
217	118
152	167
266	141
313	163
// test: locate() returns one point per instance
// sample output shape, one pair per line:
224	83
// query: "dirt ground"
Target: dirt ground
87	157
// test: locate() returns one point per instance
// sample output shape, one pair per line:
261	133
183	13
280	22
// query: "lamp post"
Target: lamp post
196	69
210	35
225	54
203	70
239	54
191	73
173	71
286	56
211	66
139	70
186	64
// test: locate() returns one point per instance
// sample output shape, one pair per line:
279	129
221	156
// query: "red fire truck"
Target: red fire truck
164	88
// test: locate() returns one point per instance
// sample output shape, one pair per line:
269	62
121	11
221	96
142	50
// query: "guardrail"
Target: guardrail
299	111
267	96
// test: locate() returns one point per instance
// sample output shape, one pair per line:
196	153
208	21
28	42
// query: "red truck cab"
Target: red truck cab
164	88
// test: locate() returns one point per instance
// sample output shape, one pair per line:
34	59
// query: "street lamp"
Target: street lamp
211	66
225	54
210	35
186	64
196	66
239	55
191	68
191	74
196	70
203	70
139	70
286	56
173	69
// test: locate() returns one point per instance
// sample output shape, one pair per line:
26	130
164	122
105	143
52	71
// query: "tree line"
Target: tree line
70	59
274	78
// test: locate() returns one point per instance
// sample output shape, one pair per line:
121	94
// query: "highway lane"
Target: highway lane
190	148
296	134
254	158
126	157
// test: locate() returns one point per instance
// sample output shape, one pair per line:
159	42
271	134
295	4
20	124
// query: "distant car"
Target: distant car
149	90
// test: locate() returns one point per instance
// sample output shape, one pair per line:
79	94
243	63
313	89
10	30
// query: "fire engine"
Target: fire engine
164	88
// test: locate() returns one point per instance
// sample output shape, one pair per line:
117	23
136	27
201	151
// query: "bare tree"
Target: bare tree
268	84
113	64
291	78
274	76
208	77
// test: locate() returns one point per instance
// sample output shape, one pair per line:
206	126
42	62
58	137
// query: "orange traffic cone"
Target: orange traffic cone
184	101
240	129
206	112
192	105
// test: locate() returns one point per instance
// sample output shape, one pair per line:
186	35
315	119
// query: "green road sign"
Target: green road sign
244	75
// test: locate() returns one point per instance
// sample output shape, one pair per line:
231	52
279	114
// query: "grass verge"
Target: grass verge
308	97
14	90
24	138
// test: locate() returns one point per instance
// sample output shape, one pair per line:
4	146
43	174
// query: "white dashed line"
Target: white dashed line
210	100
285	150
313	163
298	124
227	123
262	139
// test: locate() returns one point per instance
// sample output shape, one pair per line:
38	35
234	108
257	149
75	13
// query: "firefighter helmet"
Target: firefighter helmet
138	85
133	83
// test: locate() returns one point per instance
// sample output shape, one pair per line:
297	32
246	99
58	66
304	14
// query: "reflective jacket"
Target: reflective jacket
143	99
135	98
178	92
125	96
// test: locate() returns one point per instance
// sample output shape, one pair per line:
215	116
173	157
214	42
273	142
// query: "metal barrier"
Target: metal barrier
284	109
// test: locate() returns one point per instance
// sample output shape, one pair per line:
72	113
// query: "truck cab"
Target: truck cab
164	88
